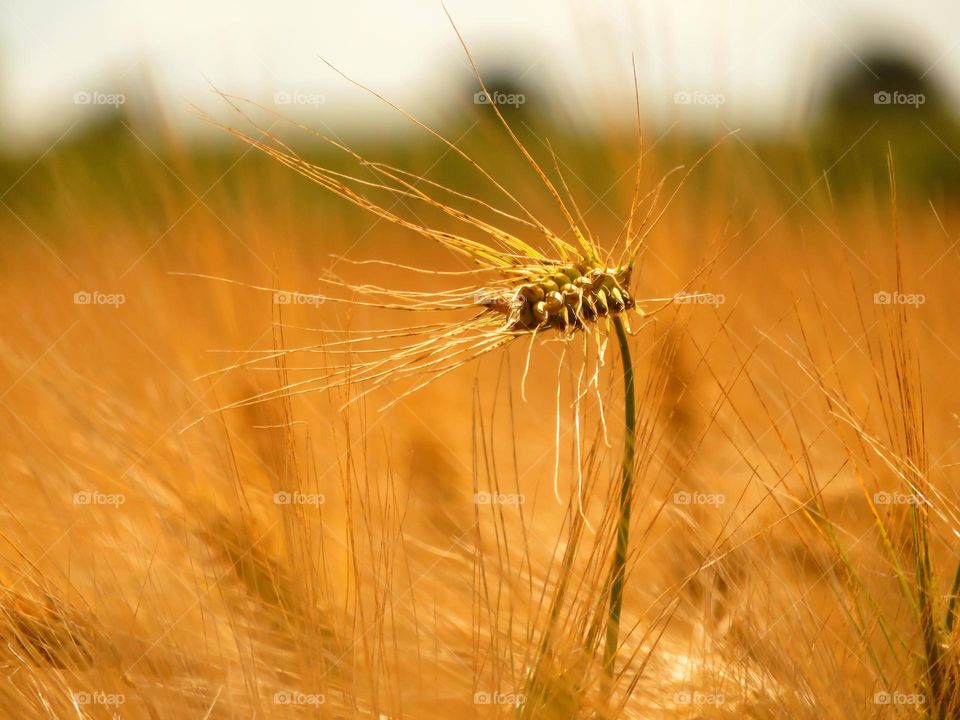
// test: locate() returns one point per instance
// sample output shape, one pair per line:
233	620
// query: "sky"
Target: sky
747	62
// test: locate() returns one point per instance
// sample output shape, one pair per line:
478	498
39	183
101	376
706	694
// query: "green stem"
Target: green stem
952	606
619	569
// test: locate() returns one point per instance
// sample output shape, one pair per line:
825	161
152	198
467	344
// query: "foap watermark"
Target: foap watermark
95	497
298	498
895	97
885	297
504	297
499	498
298	97
896	498
98	697
295	697
697	698
495	697
698	97
699	299
495	97
297	298
97	97
898	698
85	297
683	497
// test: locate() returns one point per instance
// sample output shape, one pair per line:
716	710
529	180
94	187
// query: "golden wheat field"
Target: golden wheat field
261	460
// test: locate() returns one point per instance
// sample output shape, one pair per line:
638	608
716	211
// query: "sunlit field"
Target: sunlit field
196	525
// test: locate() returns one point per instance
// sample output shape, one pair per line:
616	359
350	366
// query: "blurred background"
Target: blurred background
793	75
115	182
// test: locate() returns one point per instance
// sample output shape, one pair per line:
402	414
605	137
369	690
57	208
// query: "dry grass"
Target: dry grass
767	578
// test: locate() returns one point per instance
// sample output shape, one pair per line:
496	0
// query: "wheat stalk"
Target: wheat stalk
519	284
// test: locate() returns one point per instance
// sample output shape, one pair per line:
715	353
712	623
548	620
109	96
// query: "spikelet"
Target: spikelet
519	286
515	290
